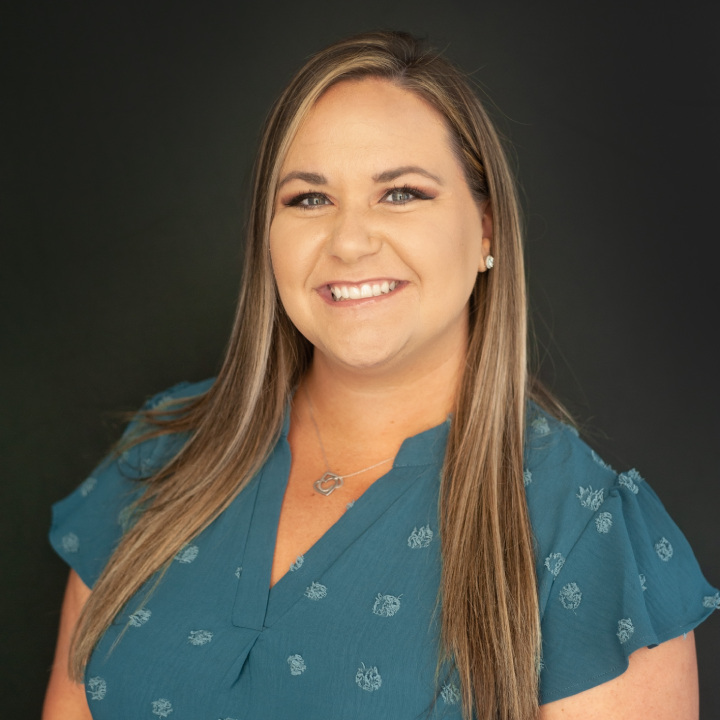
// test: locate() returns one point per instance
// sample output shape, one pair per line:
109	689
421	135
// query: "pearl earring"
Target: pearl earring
489	262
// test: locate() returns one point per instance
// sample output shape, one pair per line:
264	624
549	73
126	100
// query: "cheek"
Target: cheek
470	246
453	251
281	266
290	271
456	266
291	249
276	262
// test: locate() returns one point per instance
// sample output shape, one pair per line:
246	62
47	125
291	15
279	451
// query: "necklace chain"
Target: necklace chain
330	481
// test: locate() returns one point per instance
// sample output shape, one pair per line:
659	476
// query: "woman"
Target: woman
268	544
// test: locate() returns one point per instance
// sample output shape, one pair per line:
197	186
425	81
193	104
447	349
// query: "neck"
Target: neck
380	410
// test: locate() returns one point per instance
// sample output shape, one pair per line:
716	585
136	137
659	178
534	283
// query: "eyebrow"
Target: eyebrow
390	175
385	176
308	177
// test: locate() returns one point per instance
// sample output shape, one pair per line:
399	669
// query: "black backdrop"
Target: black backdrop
128	132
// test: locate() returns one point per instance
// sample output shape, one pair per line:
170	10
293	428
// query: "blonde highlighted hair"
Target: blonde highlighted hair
488	599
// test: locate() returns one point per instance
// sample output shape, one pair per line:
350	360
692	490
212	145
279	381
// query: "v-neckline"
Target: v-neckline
258	605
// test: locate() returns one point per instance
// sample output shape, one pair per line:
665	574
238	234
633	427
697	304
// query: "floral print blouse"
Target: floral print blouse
351	631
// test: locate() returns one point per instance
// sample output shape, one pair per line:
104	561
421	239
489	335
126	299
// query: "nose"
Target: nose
353	235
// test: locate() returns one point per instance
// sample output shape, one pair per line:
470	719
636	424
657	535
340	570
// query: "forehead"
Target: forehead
370	119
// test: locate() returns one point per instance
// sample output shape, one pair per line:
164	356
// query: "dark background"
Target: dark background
128	131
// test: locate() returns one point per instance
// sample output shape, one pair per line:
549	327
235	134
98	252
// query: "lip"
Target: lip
324	291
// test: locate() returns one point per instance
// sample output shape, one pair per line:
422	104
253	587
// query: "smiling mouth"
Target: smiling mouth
360	292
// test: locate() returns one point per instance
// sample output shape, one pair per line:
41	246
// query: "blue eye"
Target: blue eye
312	200
403	195
399	196
308	200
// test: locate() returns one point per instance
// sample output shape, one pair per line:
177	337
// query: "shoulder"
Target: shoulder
142	457
566	481
555	449
178	393
88	523
614	572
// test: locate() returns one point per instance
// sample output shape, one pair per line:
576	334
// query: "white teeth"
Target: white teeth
353	292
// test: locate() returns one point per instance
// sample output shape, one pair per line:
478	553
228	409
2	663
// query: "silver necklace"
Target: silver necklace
330	481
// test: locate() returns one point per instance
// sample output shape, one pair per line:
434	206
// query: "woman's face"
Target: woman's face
376	239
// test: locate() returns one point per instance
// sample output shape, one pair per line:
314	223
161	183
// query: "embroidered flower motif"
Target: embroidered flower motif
600	461
238	572
712	601
570	596
590	499
450	694
420	538
299	560
146	466
316	591
88	486
297	665
629	480
200	637
386	605
603	522
187	554
527	477
162	707
540	425
664	549
139	617
125	517
554	563
625	630
70	542
158	401
96	688
641	578
368	678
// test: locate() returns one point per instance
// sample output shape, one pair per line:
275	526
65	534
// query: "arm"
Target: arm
65	699
660	684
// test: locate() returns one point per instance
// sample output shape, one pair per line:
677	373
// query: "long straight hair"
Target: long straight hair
489	610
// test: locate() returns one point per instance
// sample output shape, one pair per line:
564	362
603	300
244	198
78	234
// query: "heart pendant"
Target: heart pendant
328	483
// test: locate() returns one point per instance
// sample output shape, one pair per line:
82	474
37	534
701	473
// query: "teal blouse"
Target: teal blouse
351	631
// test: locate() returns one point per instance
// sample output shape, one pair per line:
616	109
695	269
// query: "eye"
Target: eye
403	195
308	200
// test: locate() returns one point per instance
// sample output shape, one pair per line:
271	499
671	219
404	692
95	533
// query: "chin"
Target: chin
362	348
367	359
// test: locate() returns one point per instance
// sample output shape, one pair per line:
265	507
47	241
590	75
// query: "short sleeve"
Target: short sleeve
615	573
89	523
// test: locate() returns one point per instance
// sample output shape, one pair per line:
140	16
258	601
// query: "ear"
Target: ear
487	234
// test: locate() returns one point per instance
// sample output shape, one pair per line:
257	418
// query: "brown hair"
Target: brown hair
490	622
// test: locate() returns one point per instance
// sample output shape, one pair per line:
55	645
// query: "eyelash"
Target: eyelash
410	190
